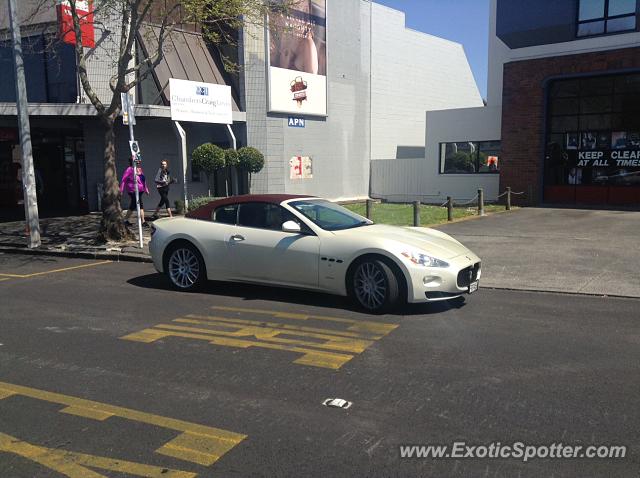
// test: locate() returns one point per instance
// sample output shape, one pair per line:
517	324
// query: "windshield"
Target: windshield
329	216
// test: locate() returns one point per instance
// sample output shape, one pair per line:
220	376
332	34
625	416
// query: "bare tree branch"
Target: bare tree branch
82	62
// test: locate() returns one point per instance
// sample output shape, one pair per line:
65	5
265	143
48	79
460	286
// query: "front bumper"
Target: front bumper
429	284
156	254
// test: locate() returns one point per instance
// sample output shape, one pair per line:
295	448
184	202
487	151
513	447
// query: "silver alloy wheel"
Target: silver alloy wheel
184	268
370	285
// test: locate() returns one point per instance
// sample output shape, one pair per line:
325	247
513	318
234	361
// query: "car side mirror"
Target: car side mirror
291	226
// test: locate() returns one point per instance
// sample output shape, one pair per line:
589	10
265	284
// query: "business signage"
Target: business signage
618	149
84	9
295	122
297	53
200	102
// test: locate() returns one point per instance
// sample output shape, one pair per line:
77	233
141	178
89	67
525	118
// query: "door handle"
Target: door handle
237	238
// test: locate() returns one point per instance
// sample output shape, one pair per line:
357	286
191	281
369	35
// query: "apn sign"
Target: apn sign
296	122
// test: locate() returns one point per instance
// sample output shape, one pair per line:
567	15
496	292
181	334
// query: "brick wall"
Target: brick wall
523	99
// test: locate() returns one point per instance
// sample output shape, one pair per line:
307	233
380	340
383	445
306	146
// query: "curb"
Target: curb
108	255
562	292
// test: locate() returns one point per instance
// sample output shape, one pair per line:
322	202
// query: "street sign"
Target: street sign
127	108
296	122
135	150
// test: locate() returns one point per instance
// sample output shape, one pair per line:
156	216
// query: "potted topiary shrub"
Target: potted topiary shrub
250	160
208	158
232	160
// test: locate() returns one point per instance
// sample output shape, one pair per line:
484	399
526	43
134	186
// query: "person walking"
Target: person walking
163	179
128	184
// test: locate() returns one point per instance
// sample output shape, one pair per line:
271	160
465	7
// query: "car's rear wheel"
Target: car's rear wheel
185	267
374	285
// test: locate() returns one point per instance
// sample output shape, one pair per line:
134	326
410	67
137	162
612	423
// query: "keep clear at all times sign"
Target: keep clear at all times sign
621	159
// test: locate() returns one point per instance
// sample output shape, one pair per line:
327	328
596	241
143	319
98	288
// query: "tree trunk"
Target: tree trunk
112	226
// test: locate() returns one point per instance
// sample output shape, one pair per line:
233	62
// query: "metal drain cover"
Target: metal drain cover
337	403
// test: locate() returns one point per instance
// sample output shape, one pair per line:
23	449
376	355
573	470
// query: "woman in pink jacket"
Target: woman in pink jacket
127	184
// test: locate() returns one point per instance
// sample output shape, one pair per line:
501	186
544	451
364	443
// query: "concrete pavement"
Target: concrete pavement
561	250
73	236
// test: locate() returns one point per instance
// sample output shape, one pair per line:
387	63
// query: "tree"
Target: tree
208	158
250	160
232	159
219	19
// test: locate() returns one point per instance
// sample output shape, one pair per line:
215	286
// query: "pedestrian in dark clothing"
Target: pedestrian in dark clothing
163	179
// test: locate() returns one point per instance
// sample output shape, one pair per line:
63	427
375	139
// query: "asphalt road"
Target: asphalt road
104	372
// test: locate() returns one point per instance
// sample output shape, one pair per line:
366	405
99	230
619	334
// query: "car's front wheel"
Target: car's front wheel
375	286
185	267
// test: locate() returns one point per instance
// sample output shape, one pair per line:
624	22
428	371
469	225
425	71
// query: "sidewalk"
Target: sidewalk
72	236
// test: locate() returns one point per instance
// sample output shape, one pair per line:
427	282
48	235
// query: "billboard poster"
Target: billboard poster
84	9
297	54
200	102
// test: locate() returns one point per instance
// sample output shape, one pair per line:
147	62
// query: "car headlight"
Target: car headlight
422	259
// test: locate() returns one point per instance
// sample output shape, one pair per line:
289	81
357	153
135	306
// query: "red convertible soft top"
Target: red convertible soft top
204	212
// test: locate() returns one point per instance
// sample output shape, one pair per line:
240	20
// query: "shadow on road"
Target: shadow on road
251	292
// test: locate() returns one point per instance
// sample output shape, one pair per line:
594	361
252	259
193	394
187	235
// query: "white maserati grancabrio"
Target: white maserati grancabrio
311	243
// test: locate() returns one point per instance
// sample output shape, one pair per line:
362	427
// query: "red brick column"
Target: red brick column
523	98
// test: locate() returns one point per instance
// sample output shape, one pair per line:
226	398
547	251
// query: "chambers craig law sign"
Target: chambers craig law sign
200	102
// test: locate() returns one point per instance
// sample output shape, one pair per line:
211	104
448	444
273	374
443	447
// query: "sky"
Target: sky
462	21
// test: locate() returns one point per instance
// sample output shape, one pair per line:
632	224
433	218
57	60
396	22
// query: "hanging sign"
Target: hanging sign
84	9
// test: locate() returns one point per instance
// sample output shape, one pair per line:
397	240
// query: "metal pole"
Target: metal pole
232	171
416	213
28	176
135	172
369	203
480	202
183	153
449	209
508	198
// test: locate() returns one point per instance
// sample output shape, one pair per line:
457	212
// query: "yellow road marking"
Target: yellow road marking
202	319
266	334
356	325
337	347
313	358
76	465
24	276
2	279
210	445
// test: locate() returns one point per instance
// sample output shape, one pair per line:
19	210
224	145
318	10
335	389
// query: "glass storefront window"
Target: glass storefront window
600	146
470	157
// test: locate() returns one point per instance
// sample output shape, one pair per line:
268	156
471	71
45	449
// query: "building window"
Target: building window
50	71
470	157
593	131
596	17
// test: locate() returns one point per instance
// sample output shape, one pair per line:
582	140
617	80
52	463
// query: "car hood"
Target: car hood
431	241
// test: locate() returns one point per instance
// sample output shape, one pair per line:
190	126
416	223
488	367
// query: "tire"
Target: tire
185	267
374	285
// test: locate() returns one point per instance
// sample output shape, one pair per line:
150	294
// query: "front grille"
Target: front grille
467	275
